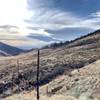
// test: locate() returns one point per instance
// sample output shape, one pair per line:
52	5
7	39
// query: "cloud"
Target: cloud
8	26
23	42
93	22
53	19
43	38
9	29
13	13
69	33
48	17
96	14
56	20
36	4
35	32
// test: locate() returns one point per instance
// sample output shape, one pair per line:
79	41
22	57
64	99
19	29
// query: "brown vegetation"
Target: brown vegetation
53	63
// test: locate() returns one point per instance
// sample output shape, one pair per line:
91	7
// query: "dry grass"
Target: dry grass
92	85
54	63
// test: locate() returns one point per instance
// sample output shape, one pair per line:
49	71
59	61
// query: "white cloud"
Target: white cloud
23	42
96	14
13	12
93	22
53	19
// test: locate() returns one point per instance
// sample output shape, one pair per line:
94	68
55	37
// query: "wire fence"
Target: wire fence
23	74
13	76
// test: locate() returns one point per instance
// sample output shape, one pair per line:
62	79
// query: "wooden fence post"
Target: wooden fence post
38	65
18	74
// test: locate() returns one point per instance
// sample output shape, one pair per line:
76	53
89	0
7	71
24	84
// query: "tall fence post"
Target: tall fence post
38	65
18	74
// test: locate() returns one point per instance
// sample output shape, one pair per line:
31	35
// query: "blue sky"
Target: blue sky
35	23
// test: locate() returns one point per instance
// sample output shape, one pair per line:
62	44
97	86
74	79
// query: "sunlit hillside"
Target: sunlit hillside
57	68
82	84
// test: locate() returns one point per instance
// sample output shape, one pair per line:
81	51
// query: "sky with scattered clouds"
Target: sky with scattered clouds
35	23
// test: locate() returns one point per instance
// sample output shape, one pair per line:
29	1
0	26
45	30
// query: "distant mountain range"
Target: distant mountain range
7	50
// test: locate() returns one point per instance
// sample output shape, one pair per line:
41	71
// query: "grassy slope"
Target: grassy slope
82	85
53	61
